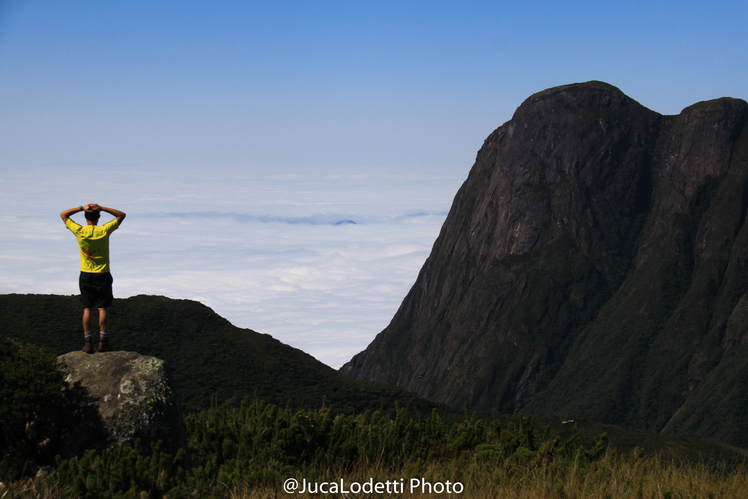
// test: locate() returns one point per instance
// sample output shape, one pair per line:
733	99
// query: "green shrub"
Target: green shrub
31	393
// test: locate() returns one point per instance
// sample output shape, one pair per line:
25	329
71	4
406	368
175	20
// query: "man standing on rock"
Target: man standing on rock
95	279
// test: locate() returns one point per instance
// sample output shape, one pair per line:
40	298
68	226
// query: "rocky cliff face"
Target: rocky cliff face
593	264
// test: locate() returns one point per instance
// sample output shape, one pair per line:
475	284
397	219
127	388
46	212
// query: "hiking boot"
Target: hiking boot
104	345
88	347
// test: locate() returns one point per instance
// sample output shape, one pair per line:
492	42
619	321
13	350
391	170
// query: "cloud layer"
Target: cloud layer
320	263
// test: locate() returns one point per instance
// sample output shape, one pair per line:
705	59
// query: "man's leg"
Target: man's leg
103	321
87	320
88	299
103	328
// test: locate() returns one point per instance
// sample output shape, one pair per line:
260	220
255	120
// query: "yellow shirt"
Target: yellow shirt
93	242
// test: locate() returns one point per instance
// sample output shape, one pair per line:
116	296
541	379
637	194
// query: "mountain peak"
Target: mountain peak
588	266
576	95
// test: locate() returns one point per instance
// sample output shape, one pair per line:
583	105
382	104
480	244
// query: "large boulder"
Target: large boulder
134	397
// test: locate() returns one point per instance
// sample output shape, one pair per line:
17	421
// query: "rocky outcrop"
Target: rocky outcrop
133	395
594	263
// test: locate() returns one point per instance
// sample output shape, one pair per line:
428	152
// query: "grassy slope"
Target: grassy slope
210	357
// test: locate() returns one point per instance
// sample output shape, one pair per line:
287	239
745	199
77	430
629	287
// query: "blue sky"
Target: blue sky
344	85
253	114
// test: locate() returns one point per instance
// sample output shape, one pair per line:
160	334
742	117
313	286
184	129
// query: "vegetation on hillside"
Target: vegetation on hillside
211	358
258	450
255	449
208	356
30	393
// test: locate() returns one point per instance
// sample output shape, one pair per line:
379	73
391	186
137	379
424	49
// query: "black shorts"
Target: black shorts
96	289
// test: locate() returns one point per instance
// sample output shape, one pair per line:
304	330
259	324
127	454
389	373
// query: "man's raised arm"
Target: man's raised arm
119	215
67	213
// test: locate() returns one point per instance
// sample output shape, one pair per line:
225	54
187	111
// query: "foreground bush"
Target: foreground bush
30	395
254	450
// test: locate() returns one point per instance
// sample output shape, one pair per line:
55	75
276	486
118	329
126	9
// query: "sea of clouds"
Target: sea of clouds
319	261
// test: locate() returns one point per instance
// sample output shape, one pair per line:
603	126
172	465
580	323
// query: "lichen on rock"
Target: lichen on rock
134	396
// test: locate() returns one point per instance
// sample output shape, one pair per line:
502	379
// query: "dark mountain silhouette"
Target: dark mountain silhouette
210	359
592	264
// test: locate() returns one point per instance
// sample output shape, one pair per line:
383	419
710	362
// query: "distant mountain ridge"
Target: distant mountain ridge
594	263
